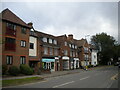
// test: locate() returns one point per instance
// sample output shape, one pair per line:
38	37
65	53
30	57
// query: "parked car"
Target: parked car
116	63
119	65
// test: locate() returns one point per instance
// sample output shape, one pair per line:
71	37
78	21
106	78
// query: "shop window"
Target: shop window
9	60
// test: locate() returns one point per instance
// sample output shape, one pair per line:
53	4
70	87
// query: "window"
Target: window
55	41
11	26
56	52
76	54
65	43
50	40
22	60
23	43
45	50
10	44
23	30
44	39
69	45
51	51
72	46
75	47
31	45
71	53
65	52
9	60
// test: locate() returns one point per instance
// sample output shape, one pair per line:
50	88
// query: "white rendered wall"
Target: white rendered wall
33	52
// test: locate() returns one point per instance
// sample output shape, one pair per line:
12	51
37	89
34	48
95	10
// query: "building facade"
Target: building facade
84	52
15	37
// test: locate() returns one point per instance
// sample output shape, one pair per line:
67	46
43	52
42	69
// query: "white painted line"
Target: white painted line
63	84
84	78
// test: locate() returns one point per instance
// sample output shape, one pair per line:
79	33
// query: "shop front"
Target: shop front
76	63
51	63
65	63
48	63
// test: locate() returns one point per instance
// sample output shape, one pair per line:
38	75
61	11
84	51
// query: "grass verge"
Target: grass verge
15	82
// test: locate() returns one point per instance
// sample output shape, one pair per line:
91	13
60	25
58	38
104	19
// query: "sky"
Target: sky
77	18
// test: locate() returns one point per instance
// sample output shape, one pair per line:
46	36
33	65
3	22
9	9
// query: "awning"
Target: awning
48	60
76	58
65	57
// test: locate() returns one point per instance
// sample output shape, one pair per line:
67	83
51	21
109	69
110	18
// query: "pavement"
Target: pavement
98	77
53	74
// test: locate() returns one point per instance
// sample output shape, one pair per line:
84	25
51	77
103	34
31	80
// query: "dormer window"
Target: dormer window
69	45
50	40
55	41
44	39
72	46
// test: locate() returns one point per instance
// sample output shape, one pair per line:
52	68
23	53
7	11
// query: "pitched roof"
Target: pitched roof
10	16
81	42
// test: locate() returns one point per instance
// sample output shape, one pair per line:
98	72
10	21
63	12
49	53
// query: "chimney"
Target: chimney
30	24
70	37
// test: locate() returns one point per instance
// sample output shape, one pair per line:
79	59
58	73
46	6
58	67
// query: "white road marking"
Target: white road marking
84	78
63	84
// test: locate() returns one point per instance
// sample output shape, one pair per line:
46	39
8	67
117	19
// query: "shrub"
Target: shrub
4	69
25	69
13	70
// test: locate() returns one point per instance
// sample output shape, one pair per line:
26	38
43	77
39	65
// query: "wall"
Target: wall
33	52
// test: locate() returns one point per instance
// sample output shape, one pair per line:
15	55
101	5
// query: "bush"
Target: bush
4	69
25	69
14	70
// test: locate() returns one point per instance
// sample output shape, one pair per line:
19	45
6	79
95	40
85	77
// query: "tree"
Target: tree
105	45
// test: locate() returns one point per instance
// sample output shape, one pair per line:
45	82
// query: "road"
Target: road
96	78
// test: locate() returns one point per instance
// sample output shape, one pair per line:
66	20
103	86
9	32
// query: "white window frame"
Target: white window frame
45	50
22	60
23	43
55	51
44	39
50	40
9	60
51	51
65	43
55	42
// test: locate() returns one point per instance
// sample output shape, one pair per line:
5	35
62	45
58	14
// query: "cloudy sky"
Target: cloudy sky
77	18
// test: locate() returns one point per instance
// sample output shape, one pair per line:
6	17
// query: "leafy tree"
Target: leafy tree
105	45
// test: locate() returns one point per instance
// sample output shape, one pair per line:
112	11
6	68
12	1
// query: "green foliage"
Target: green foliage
25	69
4	69
13	70
105	45
89	66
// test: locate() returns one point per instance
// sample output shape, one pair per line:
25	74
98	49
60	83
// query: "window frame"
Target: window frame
32	45
23	30
22	59
23	43
9	60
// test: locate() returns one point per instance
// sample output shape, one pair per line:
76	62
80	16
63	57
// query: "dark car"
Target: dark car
119	65
116	63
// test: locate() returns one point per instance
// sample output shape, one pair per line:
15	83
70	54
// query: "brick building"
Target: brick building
68	52
15	39
84	52
49	51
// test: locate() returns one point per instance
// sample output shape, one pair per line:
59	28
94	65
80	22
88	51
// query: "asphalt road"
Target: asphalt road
97	78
